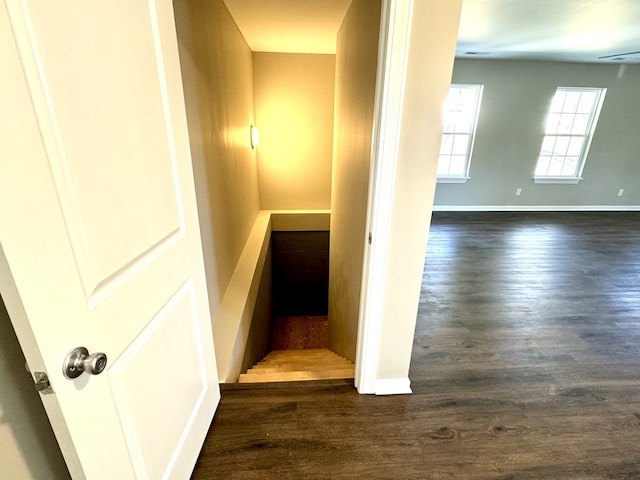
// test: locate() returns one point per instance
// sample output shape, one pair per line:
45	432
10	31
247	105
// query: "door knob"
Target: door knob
78	360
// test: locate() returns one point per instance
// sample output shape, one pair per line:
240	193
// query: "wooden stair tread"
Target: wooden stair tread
281	376
335	368
307	352
303	361
299	365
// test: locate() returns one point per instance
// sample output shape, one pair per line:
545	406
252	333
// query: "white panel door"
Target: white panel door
100	245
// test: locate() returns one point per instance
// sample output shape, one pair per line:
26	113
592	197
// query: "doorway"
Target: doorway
315	114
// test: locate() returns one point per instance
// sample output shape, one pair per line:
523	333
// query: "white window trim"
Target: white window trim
465	178
577	178
454	179
550	179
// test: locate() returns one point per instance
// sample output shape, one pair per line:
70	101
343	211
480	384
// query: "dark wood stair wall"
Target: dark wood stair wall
300	273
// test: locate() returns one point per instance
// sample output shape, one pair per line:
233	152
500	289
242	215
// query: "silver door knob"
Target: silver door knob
78	360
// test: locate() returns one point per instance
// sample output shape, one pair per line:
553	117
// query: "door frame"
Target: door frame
393	52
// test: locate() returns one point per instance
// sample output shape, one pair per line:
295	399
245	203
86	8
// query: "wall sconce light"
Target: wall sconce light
255	136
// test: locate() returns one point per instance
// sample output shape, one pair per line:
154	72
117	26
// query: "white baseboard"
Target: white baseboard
536	208
392	386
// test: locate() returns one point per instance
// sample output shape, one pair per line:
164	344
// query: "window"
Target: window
571	121
460	118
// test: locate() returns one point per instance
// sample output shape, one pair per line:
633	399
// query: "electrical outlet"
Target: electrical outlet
518	191
621	192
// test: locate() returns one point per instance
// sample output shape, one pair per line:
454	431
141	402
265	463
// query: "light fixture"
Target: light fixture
255	136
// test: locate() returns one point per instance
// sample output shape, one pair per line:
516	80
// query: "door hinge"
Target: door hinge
42	383
370	238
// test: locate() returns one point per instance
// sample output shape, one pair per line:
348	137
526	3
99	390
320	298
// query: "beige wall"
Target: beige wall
356	62
294	114
218	83
261	331
510	132
28	448
433	41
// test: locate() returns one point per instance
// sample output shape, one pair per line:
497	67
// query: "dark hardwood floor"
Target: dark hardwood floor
526	365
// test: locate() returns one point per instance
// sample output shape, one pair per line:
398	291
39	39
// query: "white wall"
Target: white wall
294	113
431	53
28	448
356	63
510	131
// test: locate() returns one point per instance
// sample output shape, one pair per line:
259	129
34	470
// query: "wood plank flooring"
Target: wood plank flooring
526	365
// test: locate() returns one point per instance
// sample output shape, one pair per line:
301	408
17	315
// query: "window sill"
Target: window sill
453	179
566	180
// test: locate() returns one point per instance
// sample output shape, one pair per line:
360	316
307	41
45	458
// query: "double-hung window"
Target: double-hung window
571	121
460	119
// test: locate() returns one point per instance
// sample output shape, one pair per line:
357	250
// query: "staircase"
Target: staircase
299	365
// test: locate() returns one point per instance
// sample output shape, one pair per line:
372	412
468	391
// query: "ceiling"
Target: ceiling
561	30
291	26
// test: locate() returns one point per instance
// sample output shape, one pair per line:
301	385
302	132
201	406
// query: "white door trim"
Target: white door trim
393	50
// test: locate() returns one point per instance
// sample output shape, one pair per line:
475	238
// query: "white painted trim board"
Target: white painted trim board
392	386
393	50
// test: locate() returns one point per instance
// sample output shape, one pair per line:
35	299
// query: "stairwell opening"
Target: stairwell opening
289	336
300	281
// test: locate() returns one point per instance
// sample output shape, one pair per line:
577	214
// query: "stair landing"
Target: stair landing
300	332
299	365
